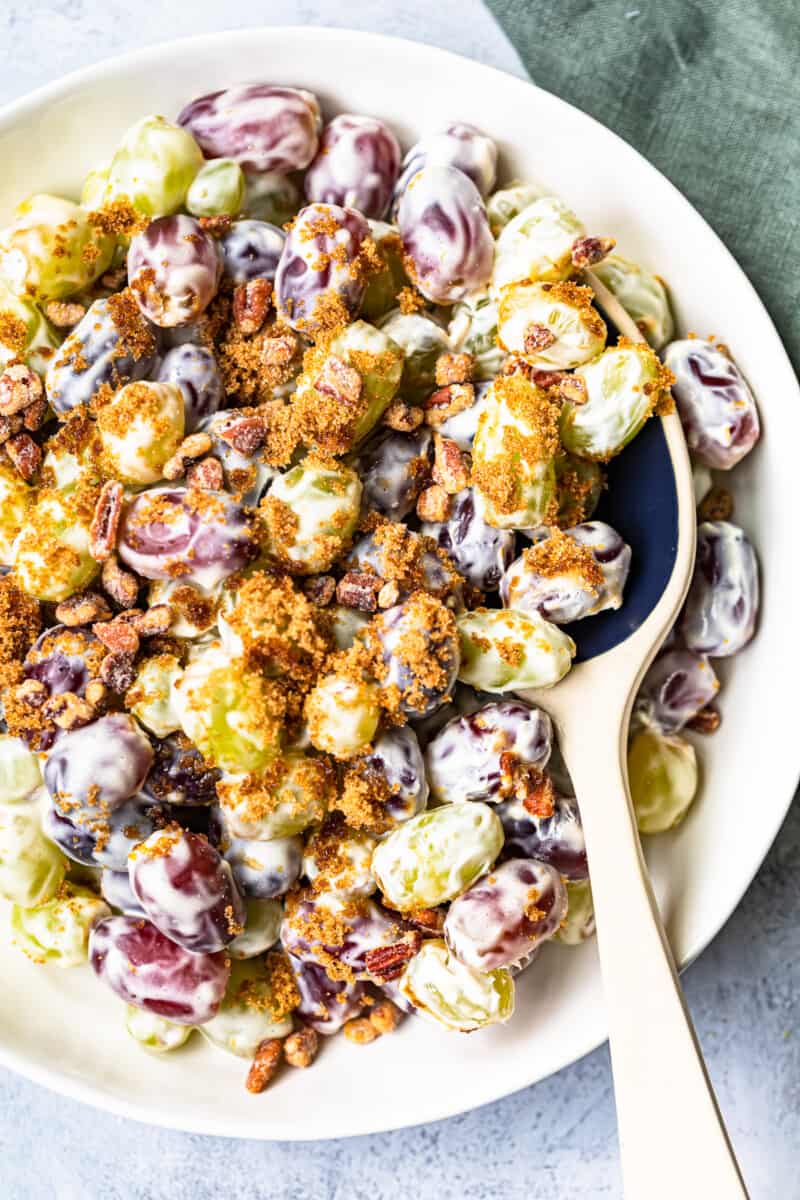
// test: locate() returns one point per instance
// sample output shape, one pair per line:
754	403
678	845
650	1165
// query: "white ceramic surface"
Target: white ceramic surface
62	1028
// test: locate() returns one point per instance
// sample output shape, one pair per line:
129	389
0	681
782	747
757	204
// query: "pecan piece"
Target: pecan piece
68	711
385	1017
153	623
433	504
9	426
265	1064
105	521
716	505
387	962
280	350
359	590
536	792
403	417
300	1049
251	303
19	387
449	465
96	693
360	1031
122	586
31	691
547	379
454	368
63	314
118	635
320	589
82	609
338	380
537	337
448	401
206	474
33	416
708	720
429	920
246	435
389	594
25	455
117	672
586	251
573	389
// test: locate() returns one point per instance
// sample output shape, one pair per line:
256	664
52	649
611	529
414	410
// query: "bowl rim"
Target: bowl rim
158	54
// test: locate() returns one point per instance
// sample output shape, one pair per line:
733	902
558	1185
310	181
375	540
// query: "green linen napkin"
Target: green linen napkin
709	92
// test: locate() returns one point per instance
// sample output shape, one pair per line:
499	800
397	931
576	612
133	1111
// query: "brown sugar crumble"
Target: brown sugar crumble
20	621
560	555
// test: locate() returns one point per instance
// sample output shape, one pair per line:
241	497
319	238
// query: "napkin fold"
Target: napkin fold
709	92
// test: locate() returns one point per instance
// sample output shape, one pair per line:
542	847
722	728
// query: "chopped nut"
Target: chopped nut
82	609
246	435
385	1017
573	389
708	720
300	1049
387	962
447	402
433	504
534	788
338	380
454	368
9	426
586	251
69	711
174	467
217	225
546	379
278	351
33	416
122	586
537	337
25	455
251	302
320	589
105	522
716	505
428	920
449	465
264	1065
19	387
389	594
153	623
403	417
195	445
206	474
360	1031
64	315
118	635
32	691
96	693
359	590
118	672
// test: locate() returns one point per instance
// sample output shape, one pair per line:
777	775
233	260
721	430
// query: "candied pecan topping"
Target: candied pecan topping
64	314
280	350
537	337
536	790
251	302
716	505
573	389
117	672
338	380
454	368
246	435
96	693
69	711
708	720
586	251
33	416
387	962
206	474
360	1031
449	465
25	455
389	594
320	589
300	1048
118	635
105	522
447	402
428	920
359	590
433	504
9	426
384	1017
82	609
19	387
264	1066
153	623
121	586
403	417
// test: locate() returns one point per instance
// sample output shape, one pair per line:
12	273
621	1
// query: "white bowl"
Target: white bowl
63	1028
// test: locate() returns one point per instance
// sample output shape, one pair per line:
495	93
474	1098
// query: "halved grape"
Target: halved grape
57	931
450	994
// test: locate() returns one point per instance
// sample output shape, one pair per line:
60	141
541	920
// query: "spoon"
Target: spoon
673	1141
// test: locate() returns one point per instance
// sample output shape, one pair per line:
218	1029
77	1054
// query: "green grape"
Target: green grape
251	1011
217	189
504	205
280	803
271	197
346	624
513	454
52	250
151	698
503	650
421	340
51	553
643	296
16	499
25	333
579	486
310	515
553	326
342	715
32	869
19	770
473	330
578	924
153	167
57	931
155	1034
140	430
385	285
262	928
662	772
93	188
537	244
71	455
623	386
231	713
435	856
455	996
